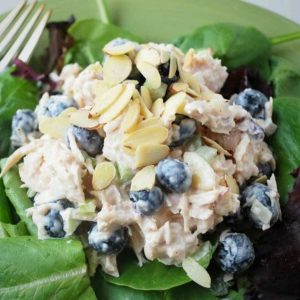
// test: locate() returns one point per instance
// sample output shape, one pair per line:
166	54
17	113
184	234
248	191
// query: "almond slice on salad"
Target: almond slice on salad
147	135
215	145
104	101
173	65
232	184
158	107
148	55
144	109
128	151
174	105
81	118
150	73
150	154
178	87
146	96
118	106
66	113
150	122
54	127
99	87
143	179
164	56
132	116
116	68
104	174
120	47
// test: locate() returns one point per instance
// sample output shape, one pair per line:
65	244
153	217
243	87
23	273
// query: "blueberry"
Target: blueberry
182	131
256	131
265	169
174	175
54	224
163	70
108	242
56	104
24	122
147	202
253	101
235	253
88	140
261	193
64	203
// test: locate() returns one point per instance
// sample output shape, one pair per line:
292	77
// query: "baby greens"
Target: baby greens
5	212
10	230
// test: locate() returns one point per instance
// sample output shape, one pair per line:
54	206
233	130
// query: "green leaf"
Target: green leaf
234	44
285	77
5	128
5	211
15	93
10	230
18	196
285	142
90	37
43	269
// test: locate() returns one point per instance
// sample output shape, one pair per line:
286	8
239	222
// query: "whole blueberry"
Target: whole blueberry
24	122
235	253
255	130
257	192
253	101
54	224
265	169
65	203
56	104
148	201
174	175
108	242
88	140
163	70
182	131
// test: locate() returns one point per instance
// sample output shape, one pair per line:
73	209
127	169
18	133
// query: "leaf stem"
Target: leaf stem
285	38
104	15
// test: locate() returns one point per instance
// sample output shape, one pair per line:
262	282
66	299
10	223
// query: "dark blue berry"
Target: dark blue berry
256	131
174	175
56	104
265	169
88	140
253	101
147	202
182	131
163	70
54	224
261	193
64	203
24	122
108	243
235	253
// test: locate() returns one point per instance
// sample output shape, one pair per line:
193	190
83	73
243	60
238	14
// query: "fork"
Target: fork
21	27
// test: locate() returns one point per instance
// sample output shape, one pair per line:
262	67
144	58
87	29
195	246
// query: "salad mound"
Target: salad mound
143	152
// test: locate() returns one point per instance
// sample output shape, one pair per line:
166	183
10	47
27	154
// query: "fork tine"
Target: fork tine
12	33
17	44
30	45
10	17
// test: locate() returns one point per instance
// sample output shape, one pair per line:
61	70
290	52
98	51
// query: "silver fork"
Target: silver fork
21	27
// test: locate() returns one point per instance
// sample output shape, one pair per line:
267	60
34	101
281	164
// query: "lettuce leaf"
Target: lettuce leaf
10	230
43	269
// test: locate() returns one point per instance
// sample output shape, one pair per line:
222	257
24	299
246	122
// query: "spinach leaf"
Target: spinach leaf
5	212
235	45
285	142
43	269
90	37
15	93
18	196
285	77
5	128
10	230
155	275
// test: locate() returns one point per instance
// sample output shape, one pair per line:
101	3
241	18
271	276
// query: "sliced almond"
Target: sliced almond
151	122
118	47
143	179
132	116
81	118
164	56
65	113
116	68
128	151
146	96
148	55
144	109
179	87
232	184
215	145
158	107
118	106
174	105
150	73
99	87
147	135
150	154
103	175
103	102
54	127
173	66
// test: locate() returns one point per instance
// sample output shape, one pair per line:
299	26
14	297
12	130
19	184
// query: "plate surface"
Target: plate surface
163	20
